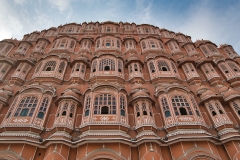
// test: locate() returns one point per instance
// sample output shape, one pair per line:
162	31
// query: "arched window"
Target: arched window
152	67
212	110
72	109
26	107
219	108
122	105
144	109
107	65
224	68
236	107
43	108
135	67
120	66
137	110
195	106
61	67
181	106
233	66
174	67
166	109
50	66
83	69
163	66
94	66
12	107
64	111
143	45
130	68
205	51
105	104
212	48
87	106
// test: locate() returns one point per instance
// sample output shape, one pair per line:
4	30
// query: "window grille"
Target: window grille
50	66
105	104
163	66
205	51
120	66
233	66
195	106
107	65
61	67
152	67
137	110
26	107
122	105
94	66
181	106
72	110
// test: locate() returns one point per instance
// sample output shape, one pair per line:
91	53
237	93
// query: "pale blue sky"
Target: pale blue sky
215	20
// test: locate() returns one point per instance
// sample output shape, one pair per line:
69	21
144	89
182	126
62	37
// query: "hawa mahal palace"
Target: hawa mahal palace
118	91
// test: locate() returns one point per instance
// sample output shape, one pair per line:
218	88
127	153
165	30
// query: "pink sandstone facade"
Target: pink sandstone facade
118	91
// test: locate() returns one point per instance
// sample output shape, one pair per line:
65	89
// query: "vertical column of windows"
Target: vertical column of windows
61	67
152	67
4	67
87	106
122	105
43	108
165	107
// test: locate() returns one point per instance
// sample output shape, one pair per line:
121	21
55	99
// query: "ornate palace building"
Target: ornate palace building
118	91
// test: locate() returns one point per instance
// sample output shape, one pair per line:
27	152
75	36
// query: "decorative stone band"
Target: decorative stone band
60	133
226	131
22	125
185	131
142	125
104	133
20	134
104	123
186	124
147	133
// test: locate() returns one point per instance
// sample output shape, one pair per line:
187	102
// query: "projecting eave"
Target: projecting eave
162	90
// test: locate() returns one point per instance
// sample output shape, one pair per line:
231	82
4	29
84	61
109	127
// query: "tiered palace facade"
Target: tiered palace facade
118	91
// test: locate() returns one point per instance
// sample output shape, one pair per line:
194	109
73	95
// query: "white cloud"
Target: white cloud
206	22
21	2
9	21
61	5
142	12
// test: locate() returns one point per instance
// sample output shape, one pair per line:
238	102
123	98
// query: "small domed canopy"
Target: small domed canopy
230	94
223	89
3	95
201	89
8	88
186	59
70	94
133	58
73	87
207	95
137	87
140	94
81	58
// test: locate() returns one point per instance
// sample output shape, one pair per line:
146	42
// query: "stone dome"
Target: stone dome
70	94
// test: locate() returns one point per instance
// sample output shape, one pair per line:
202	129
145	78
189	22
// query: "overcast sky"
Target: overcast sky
214	20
